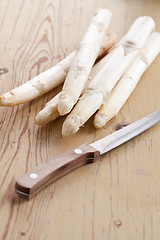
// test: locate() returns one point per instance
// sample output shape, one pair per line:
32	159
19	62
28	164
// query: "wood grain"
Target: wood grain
115	198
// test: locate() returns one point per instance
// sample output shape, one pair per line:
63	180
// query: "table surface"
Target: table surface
116	198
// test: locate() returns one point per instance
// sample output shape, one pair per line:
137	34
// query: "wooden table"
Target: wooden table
116	198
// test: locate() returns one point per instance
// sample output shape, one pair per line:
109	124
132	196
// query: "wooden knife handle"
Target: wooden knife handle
41	176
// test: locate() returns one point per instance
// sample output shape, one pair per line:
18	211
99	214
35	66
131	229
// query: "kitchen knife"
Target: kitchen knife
41	176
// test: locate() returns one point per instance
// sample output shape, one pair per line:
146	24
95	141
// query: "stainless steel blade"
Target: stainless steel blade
123	135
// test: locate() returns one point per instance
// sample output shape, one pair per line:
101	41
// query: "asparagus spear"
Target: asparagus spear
86	55
128	82
39	85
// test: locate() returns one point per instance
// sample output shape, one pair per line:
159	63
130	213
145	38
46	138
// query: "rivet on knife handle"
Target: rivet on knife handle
35	180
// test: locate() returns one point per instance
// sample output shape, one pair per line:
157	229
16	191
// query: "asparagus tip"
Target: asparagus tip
71	125
42	117
65	105
100	120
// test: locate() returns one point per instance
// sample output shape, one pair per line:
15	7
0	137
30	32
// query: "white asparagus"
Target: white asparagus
50	111
50	78
117	62
86	55
39	85
128	82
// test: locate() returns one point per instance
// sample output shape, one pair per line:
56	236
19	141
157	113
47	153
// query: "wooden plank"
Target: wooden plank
114	198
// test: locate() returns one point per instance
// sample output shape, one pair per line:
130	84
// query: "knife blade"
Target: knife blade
35	180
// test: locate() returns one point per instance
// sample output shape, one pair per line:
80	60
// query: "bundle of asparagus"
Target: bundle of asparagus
88	87
116	64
